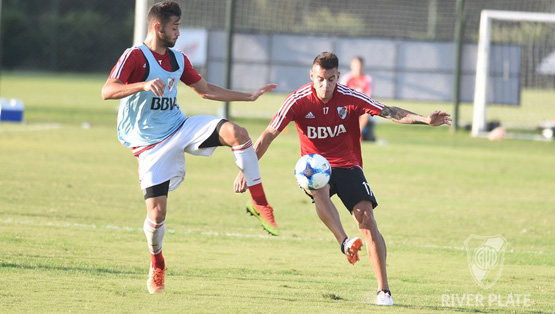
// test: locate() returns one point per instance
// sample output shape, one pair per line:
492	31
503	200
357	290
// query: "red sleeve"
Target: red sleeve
365	104
373	107
129	68
189	76
286	114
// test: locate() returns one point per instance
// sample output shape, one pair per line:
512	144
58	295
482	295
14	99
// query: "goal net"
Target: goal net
531	65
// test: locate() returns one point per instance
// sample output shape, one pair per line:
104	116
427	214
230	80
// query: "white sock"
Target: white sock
154	233
247	161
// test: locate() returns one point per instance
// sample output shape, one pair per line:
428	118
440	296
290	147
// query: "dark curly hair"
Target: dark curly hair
162	12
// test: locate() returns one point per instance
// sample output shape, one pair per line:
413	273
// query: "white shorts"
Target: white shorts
166	160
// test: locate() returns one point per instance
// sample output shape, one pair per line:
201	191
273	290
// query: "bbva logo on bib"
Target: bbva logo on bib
322	132
163	103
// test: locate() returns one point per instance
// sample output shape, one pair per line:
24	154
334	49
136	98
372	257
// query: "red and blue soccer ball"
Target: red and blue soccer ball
312	172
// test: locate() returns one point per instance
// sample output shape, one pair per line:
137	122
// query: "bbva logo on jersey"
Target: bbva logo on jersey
322	132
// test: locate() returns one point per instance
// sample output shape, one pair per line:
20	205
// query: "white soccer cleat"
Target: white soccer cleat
384	298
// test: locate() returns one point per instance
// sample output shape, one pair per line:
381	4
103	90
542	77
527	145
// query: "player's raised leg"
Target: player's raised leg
154	228
330	217
363	213
328	213
238	139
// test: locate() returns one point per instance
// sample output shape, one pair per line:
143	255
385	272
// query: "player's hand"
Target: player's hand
157	86
240	184
262	90
438	118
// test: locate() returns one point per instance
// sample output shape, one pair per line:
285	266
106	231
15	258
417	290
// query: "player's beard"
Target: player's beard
166	40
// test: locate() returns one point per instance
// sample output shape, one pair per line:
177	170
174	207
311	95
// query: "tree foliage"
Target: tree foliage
65	35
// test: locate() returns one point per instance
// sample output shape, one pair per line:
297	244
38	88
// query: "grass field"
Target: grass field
71	216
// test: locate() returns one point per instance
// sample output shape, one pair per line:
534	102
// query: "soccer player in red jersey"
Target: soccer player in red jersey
326	115
151	123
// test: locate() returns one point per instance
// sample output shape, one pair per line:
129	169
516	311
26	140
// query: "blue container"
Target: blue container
11	110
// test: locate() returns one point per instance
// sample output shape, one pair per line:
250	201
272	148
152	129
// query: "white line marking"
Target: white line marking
227	234
29	127
134	229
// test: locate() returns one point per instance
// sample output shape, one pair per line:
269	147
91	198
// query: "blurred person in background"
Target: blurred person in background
361	82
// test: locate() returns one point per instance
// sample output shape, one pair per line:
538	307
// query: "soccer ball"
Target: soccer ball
312	172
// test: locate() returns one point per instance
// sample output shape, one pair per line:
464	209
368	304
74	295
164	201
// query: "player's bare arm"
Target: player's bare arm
260	147
400	115
116	89
214	92
264	141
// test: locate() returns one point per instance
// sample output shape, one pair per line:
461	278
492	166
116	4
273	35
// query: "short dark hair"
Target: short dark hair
162	12
326	60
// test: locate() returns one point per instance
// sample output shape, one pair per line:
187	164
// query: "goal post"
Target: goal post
482	63
139	32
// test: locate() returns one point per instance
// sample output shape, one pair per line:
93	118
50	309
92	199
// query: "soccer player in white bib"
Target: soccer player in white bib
327	118
151	123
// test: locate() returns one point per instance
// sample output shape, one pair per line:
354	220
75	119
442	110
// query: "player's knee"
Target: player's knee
241	134
156	210
157	216
364	214
367	221
235	133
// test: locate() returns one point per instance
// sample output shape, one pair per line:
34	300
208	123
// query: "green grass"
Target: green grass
71	216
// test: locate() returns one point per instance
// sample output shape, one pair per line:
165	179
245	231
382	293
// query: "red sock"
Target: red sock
258	195
158	261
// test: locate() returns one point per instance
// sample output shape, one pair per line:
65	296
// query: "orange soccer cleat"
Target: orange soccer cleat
351	248
266	216
155	282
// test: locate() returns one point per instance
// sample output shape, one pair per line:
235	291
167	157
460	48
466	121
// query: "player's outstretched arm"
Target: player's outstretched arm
214	92
260	147
116	89
401	115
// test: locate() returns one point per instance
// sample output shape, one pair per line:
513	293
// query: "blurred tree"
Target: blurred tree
64	34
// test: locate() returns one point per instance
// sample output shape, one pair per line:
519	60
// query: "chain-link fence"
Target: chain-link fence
88	36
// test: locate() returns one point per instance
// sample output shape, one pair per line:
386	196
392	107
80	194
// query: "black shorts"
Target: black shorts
351	187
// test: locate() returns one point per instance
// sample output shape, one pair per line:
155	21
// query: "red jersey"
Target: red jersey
361	83
330	129
132	67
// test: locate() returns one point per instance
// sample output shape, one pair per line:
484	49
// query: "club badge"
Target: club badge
342	111
171	82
